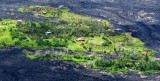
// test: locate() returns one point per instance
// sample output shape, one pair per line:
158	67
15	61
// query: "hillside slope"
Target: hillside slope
94	43
139	17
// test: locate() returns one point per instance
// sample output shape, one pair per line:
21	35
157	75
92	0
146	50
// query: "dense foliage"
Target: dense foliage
135	62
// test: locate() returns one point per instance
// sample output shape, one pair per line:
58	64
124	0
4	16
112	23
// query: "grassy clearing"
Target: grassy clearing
74	57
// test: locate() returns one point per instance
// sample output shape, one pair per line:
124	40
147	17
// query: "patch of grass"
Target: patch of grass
73	57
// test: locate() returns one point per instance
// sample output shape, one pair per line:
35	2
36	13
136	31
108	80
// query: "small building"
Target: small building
38	6
99	20
48	32
61	6
80	40
44	12
118	29
19	21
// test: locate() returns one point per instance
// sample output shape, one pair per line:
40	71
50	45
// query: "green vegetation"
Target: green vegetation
71	57
134	62
67	27
140	63
80	34
5	35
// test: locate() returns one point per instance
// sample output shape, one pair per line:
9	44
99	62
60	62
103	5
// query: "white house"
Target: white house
48	32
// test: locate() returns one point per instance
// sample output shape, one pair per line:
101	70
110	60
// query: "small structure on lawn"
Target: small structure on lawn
44	12
99	20
38	6
48	32
19	21
80	40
